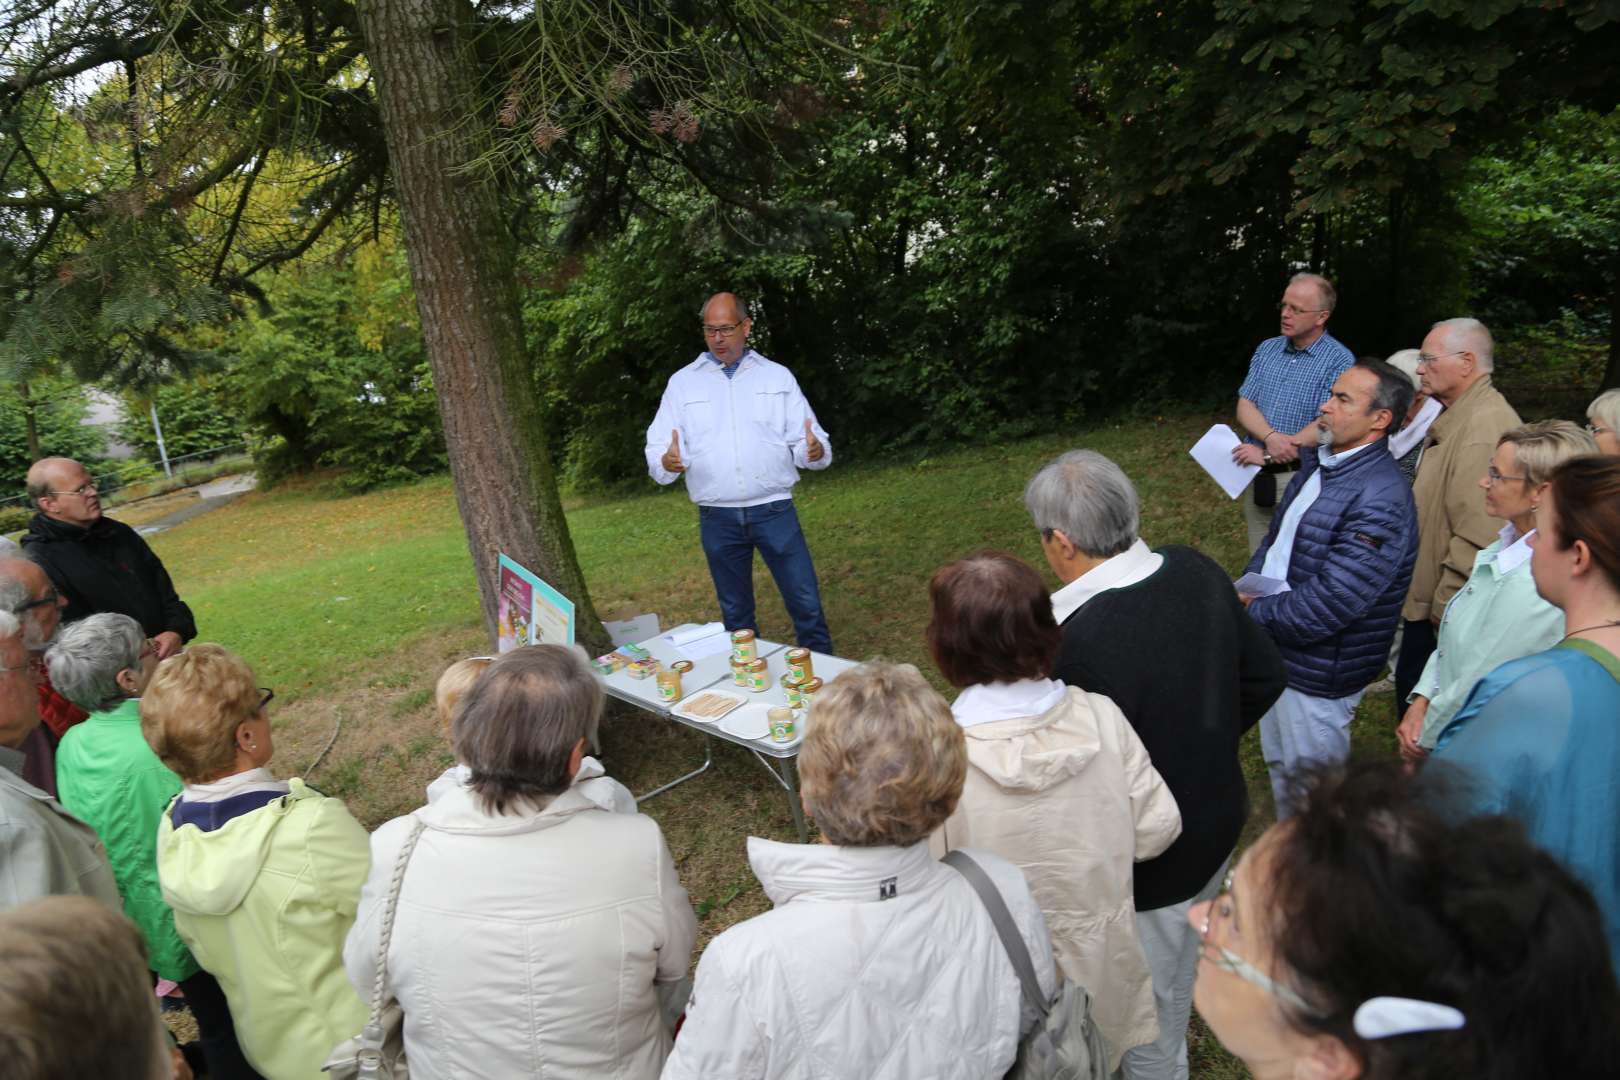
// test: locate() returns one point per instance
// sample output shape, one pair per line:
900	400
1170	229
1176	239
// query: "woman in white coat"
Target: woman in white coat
1058	783
539	932
877	962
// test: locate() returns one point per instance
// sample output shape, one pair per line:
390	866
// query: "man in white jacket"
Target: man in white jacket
739	429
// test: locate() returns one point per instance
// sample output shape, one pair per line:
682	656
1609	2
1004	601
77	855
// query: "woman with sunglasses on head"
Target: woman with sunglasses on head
263	875
1373	936
1498	615
1539	738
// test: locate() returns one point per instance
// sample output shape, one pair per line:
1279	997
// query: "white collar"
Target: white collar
1330	460
1515	549
989	703
1136	563
453	806
260	779
823	872
1401	443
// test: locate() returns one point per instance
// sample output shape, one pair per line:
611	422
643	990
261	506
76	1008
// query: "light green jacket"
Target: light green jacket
1497	616
265	900
109	779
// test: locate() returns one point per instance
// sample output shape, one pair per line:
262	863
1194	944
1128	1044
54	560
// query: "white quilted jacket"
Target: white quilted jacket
876	963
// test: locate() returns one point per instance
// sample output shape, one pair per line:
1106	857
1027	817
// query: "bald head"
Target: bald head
725	327
27	594
64	491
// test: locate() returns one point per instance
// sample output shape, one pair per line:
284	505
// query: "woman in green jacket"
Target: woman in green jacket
110	779
263	874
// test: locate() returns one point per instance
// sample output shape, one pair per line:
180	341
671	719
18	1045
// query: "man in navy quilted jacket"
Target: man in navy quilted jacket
1345	539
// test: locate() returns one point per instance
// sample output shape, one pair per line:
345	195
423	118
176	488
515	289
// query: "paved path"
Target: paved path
210	496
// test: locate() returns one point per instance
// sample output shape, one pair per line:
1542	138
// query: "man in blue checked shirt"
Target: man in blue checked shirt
1290	376
739	429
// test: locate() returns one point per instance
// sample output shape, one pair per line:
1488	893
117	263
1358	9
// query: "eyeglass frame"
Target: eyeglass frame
81	491
52	599
1492	477
1283	305
1425	360
269	696
1227	960
1595	430
723	332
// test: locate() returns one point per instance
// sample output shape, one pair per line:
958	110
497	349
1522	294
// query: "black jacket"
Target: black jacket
1191	672
108	567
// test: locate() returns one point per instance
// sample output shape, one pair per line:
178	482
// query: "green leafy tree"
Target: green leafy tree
59	407
197	415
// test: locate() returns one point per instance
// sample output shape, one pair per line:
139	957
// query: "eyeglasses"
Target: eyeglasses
82	490
268	695
1595	430
1229	961
1492	477
50	599
1292	310
721	331
1425	360
148	649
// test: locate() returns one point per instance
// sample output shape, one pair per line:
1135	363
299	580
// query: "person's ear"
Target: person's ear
1580	557
245	741
576	757
1327	1058
1065	546
128	681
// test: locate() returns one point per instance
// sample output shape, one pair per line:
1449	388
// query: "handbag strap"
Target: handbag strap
387	935
1011	940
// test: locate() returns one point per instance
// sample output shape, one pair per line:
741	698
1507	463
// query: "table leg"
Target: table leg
708	759
788	778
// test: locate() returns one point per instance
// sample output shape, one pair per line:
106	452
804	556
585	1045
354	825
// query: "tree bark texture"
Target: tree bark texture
462	260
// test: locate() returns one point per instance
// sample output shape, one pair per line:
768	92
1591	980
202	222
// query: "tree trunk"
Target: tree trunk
30	421
462	261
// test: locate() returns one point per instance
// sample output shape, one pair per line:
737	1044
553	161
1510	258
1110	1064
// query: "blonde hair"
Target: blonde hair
74	995
1605	409
1541	447
883	760
457	679
192	708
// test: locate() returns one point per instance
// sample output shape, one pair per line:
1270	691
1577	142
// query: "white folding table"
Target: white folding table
715	671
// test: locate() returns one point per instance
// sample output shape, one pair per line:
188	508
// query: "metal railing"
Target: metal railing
114	480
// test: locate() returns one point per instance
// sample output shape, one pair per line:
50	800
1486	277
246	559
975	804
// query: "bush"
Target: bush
14	517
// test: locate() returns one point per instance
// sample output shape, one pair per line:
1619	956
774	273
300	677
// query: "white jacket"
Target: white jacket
742	438
1059	784
529	945
876	964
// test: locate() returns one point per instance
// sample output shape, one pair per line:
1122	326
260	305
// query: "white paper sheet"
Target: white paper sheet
1214	453
1260	585
696	642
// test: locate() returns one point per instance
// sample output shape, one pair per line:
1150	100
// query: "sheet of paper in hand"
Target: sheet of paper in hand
1214	453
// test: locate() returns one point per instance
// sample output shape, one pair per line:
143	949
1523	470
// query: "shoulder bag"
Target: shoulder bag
1064	1044
378	1052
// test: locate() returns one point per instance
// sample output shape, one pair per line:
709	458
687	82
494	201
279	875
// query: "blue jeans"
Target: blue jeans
730	534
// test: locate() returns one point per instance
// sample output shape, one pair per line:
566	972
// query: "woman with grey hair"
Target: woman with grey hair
1406	442
1603	421
111	780
538	930
878	961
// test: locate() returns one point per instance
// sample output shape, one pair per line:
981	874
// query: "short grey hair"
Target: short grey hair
1324	288
1088	499
1470	335
10	625
87	656
1605	409
1407	361
13	594
517	727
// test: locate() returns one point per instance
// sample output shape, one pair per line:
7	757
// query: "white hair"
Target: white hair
88	655
1406	361
1088	499
10	626
1470	335
1605	409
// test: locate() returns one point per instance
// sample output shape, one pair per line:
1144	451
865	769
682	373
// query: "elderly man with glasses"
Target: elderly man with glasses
1453	527
739	429
96	563
1289	376
30	597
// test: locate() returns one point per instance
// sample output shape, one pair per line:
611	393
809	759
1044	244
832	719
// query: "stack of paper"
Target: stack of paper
1214	453
696	642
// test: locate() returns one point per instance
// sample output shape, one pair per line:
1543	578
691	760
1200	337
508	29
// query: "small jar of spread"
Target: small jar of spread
669	685
759	679
739	674
743	648
795	699
798	665
808	692
782	726
682	666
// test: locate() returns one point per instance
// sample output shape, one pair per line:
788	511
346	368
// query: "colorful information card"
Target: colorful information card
531	612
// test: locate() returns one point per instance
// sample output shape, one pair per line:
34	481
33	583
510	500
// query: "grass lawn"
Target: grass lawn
350	606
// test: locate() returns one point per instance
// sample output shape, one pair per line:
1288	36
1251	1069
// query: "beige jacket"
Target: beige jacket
1070	797
1452	524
